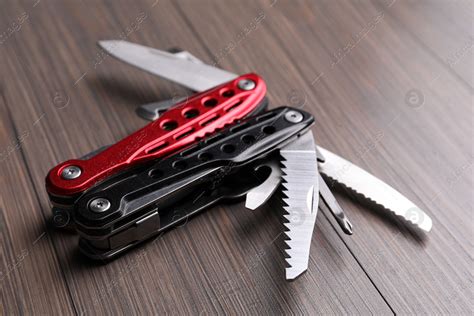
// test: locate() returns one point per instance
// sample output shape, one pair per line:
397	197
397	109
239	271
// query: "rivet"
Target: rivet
99	205
246	84
71	172
293	116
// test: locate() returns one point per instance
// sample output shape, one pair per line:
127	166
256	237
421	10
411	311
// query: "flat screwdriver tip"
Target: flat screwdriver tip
345	224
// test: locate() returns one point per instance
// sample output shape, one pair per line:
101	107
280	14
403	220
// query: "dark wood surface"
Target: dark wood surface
358	66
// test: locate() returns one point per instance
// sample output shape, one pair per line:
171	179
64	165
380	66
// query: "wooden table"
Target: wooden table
389	82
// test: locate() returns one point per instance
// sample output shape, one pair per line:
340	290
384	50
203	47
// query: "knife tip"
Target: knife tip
106	44
251	204
345	224
426	224
102	43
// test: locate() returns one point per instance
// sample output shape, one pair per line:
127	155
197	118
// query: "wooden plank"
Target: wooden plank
368	70
422	20
31	279
207	266
97	110
226	260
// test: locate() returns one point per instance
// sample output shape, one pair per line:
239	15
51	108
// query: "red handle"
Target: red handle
181	125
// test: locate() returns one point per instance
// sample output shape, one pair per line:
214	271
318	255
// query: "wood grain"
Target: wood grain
353	64
31	278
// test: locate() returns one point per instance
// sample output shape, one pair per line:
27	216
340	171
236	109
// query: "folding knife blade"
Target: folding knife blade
301	187
183	54
152	111
189	73
362	182
258	196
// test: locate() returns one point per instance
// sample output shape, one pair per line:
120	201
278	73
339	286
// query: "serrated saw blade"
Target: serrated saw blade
300	187
372	188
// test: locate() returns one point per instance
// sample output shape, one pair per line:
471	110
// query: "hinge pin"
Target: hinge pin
293	116
99	205
246	84
71	172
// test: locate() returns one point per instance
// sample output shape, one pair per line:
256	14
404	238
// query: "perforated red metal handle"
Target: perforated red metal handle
181	125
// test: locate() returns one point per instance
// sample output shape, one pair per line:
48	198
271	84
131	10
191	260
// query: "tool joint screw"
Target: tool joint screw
99	205
71	172
293	116
246	84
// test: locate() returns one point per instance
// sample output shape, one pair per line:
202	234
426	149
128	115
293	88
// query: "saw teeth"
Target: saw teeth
404	217
299	177
370	187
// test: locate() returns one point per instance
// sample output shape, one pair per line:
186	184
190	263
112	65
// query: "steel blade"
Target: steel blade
372	188
261	194
301	187
334	207
189	73
182	54
152	111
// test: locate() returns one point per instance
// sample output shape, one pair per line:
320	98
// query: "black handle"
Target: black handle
206	164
